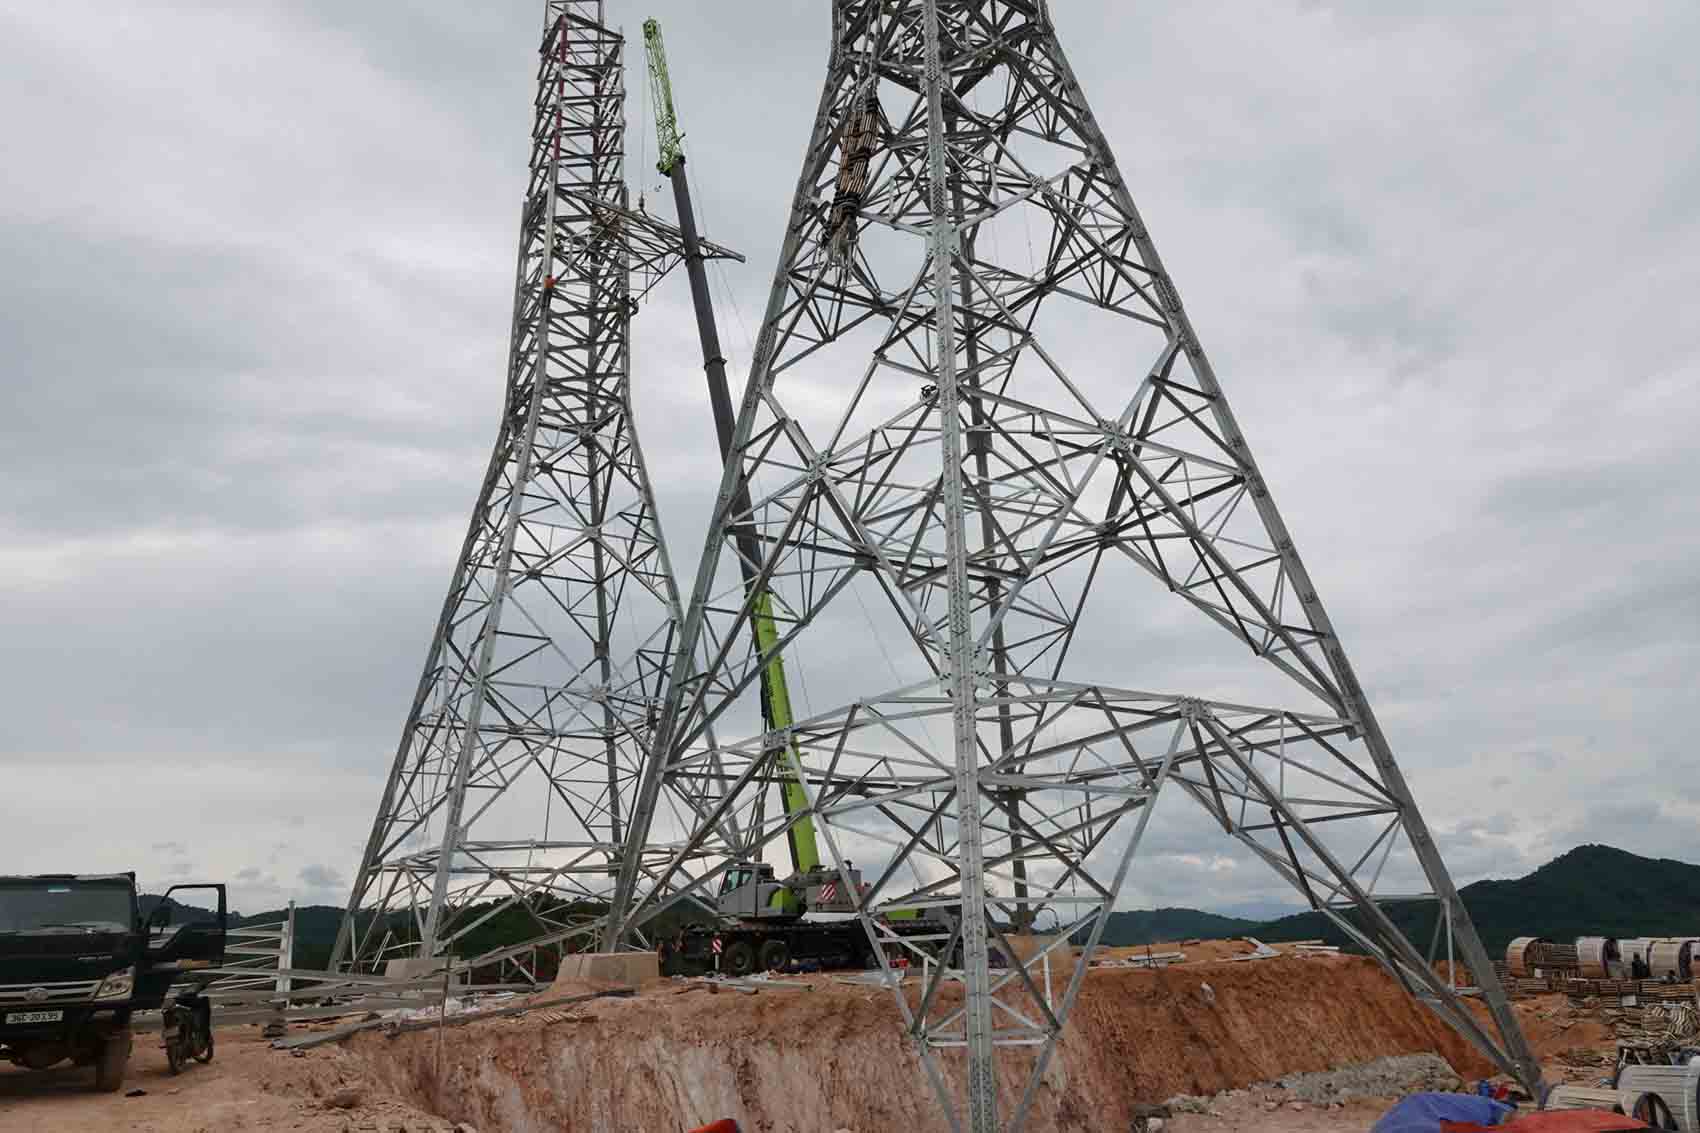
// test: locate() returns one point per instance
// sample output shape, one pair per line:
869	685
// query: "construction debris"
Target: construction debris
1261	951
1149	960
1383	1078
1581	1097
753	984
397	1026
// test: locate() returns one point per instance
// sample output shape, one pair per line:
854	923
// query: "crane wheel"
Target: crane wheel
739	958
775	955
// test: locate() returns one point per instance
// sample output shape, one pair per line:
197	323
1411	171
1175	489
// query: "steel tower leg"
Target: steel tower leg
1452	909
961	675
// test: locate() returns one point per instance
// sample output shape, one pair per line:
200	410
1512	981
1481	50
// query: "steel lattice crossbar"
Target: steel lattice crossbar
976	395
517	765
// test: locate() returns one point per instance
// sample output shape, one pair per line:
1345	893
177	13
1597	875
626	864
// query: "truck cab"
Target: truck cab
77	961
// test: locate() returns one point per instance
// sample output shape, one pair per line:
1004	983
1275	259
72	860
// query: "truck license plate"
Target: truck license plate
34	1016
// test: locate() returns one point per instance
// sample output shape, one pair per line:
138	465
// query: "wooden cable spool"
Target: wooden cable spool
1520	958
1678	1087
1634	949
1595	956
1670	959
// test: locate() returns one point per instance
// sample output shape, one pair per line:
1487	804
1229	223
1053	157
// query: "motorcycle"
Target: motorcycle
188	1030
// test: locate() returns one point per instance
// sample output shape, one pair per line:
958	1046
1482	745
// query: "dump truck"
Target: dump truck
77	962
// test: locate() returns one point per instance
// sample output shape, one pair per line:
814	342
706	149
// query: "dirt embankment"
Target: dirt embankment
837	1057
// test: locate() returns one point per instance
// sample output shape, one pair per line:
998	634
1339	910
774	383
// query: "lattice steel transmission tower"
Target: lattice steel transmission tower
517	767
977	405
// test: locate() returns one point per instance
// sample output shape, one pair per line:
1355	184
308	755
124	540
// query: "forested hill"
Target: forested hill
1151	926
1590	891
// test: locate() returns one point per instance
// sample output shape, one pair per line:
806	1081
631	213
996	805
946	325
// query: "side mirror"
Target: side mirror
160	917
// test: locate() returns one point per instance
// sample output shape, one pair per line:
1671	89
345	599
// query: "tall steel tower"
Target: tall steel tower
516	772
978	405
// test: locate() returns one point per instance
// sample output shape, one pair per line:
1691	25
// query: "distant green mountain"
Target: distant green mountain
1154	926
316	926
1590	891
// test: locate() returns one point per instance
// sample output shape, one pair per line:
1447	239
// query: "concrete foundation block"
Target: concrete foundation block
629	968
418	968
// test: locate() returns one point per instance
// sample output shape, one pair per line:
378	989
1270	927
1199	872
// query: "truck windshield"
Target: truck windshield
57	906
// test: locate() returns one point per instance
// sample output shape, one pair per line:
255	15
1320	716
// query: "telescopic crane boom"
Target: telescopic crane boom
776	698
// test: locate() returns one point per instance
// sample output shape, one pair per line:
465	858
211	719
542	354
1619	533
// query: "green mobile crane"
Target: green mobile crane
763	917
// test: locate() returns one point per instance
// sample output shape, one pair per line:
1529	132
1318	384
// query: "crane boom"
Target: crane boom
776	697
661	86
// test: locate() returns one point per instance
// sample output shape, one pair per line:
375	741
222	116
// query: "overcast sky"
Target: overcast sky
253	324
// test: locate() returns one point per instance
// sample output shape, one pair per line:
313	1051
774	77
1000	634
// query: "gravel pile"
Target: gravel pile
1384	1078
1390	1077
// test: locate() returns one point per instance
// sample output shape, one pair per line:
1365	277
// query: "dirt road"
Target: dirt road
247	1086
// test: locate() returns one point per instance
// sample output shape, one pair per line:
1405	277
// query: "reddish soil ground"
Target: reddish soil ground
247	1086
825	1059
834	1056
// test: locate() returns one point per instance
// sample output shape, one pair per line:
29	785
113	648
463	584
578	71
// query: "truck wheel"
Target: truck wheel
739	959
775	954
112	1062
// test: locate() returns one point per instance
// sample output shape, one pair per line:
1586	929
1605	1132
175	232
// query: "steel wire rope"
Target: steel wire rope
647	122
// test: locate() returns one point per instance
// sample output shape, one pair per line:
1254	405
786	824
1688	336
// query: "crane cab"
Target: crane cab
747	892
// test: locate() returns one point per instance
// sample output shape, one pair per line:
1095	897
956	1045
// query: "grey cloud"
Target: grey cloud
322	877
1498	824
254	356
1622	817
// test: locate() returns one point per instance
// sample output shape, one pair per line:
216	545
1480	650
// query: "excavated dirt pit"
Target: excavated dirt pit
834	1056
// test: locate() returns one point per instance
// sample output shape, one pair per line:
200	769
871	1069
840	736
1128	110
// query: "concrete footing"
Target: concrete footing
418	968
631	968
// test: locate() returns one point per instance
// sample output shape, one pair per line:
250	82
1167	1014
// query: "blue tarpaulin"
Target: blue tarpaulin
1423	1113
